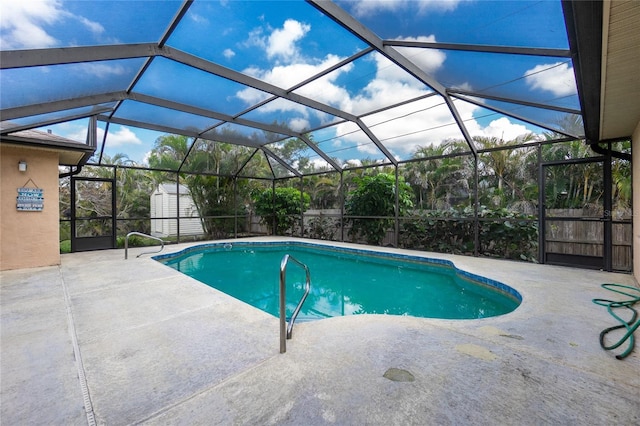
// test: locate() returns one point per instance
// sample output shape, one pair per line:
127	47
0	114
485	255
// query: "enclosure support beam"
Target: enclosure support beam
476	219
71	55
238	77
607	214
462	94
342	205
104	140
92	101
156	127
178	205
517	116
376	142
541	207
320	152
283	163
397	210
246	162
483	48
235	207
334	12
301	206
184	160
274	231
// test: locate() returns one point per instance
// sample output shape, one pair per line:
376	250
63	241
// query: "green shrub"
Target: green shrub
502	233
136	241
376	196
282	209
65	246
322	228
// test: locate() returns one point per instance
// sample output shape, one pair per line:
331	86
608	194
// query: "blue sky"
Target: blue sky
285	42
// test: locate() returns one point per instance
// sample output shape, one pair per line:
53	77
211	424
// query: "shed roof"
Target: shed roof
170	188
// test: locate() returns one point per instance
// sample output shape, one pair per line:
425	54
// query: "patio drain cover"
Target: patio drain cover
398	375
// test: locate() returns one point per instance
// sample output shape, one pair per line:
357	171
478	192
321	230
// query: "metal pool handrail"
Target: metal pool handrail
284	330
126	244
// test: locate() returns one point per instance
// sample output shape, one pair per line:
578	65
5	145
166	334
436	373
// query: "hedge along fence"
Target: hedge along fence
502	233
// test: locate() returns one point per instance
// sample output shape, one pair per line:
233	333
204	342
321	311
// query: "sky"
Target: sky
285	42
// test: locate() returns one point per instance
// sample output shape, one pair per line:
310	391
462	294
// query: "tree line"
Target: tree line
437	184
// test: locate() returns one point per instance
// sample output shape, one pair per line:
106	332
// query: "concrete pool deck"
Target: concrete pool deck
101	340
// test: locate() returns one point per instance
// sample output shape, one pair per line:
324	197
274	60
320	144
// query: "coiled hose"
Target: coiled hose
631	325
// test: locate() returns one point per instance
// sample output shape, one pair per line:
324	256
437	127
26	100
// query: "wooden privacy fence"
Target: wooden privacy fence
572	237
586	237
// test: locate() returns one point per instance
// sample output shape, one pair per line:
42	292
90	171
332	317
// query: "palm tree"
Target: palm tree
581	184
437	180
511	170
212	194
325	191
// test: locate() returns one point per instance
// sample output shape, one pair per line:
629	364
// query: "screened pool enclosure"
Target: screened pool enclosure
451	126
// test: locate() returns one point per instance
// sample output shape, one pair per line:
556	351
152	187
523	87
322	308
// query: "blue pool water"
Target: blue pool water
344	281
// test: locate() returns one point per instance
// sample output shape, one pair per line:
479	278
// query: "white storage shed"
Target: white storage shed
164	205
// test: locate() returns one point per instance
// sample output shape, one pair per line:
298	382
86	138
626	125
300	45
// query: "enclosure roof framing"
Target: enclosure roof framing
350	82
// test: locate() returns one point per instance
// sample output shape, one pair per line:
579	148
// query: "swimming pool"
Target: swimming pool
344	281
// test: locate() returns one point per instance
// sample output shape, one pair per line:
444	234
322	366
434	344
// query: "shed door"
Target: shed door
158	212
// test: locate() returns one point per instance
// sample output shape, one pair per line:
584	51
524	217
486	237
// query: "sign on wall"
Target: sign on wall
30	199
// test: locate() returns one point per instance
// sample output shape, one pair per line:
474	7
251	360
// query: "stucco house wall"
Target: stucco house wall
28	238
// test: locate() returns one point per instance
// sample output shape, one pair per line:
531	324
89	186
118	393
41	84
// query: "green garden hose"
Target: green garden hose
631	325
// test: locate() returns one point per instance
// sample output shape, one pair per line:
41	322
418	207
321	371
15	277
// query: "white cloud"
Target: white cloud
282	105
326	91
121	137
252	96
504	129
124	136
353	163
323	90
228	53
318	164
298	124
198	19
72	131
94	27
391	85
437	5
145	157
429	121
557	78
256	38
429	60
21	23
466	86
101	70
401	130
370	7
281	75
282	42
